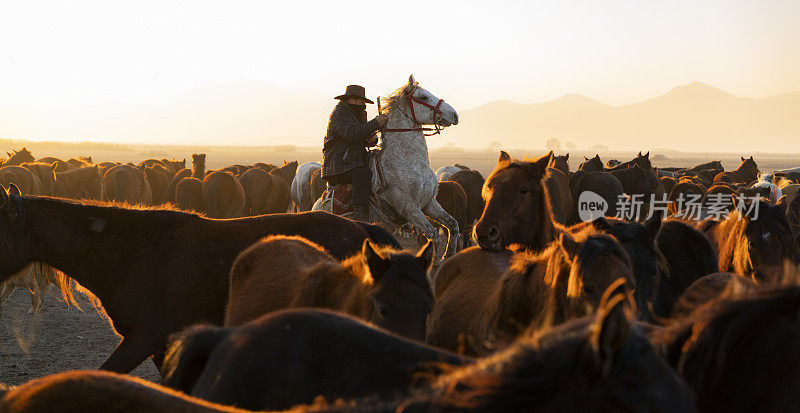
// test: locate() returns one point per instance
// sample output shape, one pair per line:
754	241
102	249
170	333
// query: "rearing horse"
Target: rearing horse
407	189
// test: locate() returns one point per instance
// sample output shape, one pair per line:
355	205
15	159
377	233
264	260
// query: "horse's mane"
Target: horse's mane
725	328
529	373
395	99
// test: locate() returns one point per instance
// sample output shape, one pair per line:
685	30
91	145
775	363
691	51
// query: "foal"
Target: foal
386	287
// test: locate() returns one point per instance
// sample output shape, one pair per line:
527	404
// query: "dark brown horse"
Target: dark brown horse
453	200
746	172
708	288
754	241
280	195
689	256
599	363
223	195
81	183
472	183
154	271
257	186
311	353
607	186
479	313
386	287
189	195
517	206
740	353
592	165
561	163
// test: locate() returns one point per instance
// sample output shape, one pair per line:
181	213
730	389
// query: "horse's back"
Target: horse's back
271	269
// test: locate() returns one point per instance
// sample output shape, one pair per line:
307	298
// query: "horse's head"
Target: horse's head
748	170
516	204
596	261
401	294
561	163
423	107
769	238
592	165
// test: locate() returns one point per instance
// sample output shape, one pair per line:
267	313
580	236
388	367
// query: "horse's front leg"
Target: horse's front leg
131	352
421	223
438	214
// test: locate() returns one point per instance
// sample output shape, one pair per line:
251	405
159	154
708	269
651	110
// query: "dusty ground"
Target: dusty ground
57	339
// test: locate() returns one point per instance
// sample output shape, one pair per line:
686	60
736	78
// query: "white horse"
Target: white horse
407	193
444	173
301	186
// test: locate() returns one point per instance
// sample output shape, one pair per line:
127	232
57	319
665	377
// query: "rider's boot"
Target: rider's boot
360	212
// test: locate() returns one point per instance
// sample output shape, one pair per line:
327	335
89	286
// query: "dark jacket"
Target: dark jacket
344	142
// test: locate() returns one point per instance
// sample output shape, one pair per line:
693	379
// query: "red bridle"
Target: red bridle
436	116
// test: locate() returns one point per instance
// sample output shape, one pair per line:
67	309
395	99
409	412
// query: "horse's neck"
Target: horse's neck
408	146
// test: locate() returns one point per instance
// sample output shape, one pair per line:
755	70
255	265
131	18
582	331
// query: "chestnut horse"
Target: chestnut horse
311	353
754	244
154	271
223	195
480	313
598	363
518	207
386	287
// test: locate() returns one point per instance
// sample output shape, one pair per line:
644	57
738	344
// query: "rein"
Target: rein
436	116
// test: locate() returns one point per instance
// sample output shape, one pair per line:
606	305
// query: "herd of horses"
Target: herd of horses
245	306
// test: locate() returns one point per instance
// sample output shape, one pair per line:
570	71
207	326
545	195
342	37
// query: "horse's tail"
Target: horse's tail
188	354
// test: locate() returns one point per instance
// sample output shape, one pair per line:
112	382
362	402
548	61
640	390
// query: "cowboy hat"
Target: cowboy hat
355	92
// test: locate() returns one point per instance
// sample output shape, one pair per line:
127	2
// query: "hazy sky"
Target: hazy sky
468	52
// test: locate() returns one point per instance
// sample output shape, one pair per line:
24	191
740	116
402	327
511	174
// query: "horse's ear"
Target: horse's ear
541	163
54	165
742	158
647	155
503	157
3	196
374	260
568	244
14	190
585	158
610	331
640	153
425	255
783	204
597	155
411	80
653	224
601	224
566	157
751	157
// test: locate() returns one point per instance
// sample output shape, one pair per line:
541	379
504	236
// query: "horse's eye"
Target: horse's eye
523	190
423	98
384	313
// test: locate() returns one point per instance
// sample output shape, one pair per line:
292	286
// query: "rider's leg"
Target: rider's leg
362	186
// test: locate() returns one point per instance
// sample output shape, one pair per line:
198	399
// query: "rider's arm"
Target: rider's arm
353	132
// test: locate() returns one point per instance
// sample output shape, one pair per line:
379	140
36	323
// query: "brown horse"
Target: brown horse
383	286
19	157
46	174
169	196
154	271
708	288
754	244
607	186
599	363
739	352
557	184
592	165
60	165
472	184
312	353
158	178
517	206
223	195
173	164
453	200
23	178
189	195
81	183
126	183
561	163
257	185
746	172
318	184
280	195
480	313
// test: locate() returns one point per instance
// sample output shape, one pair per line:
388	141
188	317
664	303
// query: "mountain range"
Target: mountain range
692	117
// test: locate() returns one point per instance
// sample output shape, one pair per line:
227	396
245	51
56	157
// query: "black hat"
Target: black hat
355	92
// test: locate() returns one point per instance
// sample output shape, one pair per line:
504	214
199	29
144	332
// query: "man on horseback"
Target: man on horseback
344	154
